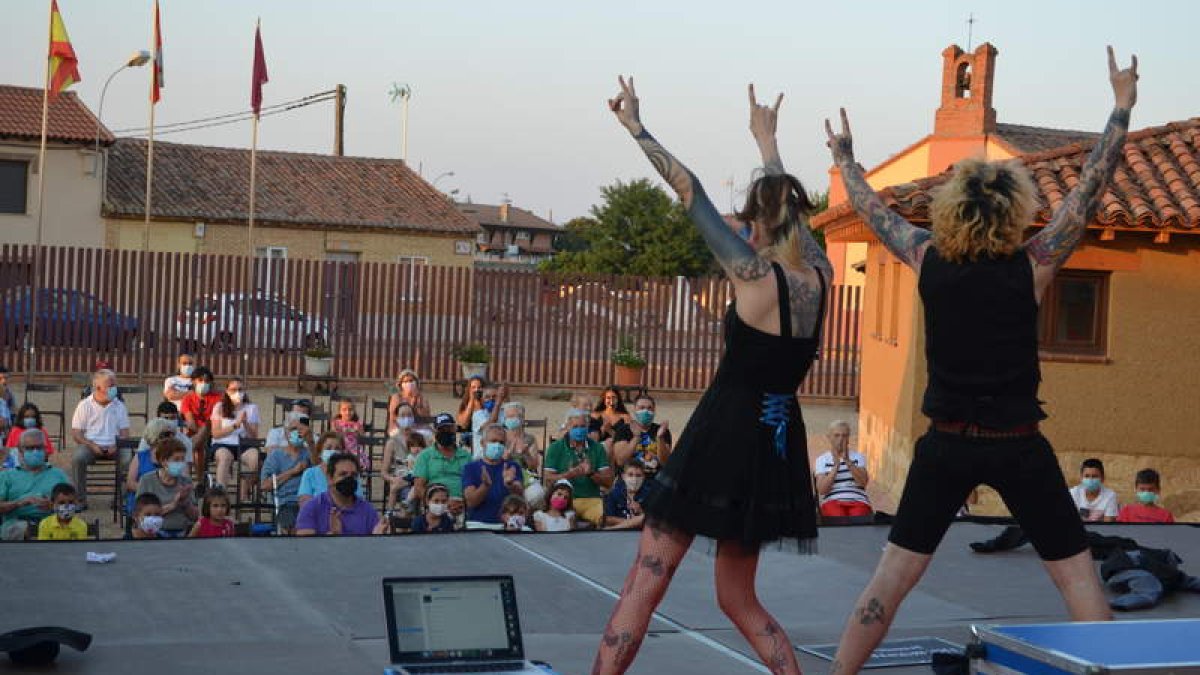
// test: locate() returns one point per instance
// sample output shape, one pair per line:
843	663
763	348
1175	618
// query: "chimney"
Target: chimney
504	212
966	108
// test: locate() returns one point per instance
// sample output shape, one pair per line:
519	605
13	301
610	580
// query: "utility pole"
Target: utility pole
339	120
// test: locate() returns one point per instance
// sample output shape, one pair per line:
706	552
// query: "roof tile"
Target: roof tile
68	120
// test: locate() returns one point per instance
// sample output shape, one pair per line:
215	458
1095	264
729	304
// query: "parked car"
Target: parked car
66	318
216	322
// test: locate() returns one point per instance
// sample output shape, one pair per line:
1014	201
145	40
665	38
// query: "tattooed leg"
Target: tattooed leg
659	553
735	569
898	572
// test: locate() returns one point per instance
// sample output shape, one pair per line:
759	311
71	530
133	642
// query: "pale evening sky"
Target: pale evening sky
510	96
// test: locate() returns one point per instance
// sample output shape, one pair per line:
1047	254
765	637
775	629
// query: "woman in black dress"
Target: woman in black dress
739	473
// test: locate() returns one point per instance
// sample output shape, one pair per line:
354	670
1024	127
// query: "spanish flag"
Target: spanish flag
64	67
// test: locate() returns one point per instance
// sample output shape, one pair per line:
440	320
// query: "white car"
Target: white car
217	322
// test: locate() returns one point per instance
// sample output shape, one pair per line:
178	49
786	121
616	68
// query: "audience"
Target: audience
472	401
179	385
25	491
339	511
214	516
494	398
27	416
399	466
1095	502
558	516
623	505
347	424
523	448
283	467
441	463
99	420
642	438
63	525
487	481
437	517
174	489
582	461
147	517
408	392
607	413
315	478
144	462
1147	510
514	514
168	412
842	476
234	419
197	408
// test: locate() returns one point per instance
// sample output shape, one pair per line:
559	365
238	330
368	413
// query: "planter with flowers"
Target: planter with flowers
628	362
474	358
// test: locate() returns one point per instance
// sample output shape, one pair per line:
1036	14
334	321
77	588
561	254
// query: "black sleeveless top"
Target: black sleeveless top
981	340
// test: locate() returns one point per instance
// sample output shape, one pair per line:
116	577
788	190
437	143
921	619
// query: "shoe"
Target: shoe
1012	537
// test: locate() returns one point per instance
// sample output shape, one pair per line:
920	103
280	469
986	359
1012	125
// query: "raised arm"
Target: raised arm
901	237
1051	247
734	255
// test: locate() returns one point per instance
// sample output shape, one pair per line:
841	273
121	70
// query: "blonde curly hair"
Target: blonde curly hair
983	210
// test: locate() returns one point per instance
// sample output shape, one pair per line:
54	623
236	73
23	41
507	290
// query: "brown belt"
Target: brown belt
975	430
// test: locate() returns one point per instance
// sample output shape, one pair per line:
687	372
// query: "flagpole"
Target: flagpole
36	282
250	252
145	255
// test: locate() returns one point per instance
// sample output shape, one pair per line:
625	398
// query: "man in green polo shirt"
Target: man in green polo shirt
442	463
25	492
582	461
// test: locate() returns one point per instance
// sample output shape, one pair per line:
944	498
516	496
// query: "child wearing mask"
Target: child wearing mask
348	425
27	416
179	385
197	408
437	516
558	516
1095	502
147	517
623	505
1147	510
400	467
214	516
63	525
170	483
514	514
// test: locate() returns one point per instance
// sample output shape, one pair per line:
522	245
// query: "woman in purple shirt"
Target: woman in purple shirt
339	511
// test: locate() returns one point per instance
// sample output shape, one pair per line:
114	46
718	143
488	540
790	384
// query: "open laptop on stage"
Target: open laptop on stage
454	625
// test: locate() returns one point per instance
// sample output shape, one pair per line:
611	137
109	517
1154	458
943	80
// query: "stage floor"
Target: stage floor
295	606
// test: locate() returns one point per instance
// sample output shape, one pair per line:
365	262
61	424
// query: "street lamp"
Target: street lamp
441	176
136	60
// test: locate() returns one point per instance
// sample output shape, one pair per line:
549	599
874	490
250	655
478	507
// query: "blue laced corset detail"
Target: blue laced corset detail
775	413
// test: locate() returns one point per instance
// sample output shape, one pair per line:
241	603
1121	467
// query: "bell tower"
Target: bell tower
966	108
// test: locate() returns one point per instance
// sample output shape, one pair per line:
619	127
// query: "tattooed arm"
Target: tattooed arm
1050	248
906	241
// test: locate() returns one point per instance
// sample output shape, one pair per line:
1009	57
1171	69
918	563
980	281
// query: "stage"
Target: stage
295	606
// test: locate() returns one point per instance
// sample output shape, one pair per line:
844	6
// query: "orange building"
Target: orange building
1119	327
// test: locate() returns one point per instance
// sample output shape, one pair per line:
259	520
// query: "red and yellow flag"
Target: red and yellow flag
156	90
64	67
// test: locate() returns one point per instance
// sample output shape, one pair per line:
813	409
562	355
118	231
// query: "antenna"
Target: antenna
402	92
970	29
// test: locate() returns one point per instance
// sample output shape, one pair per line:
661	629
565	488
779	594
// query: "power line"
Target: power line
245	118
319	97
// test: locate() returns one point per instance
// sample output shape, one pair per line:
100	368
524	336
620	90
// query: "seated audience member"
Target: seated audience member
607	414
8	402
642	438
1095	502
472	401
558	515
143	462
63	525
27	416
523	448
315	478
347	424
442	463
214	516
399	466
580	400
339	511
584	463
408	393
25	491
487	481
179	385
168	412
437	517
494	398
1147	510
283	467
514	514
147	517
842	476
197	408
277	436
174	489
99	420
623	505
234	419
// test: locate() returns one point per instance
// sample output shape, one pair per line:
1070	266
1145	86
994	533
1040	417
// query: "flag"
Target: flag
158	58
259	77
64	67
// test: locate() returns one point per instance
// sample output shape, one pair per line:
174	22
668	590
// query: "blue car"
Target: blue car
66	318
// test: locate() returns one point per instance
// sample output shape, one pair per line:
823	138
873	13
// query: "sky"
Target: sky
510	96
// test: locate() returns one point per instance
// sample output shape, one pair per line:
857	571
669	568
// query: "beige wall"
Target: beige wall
72	201
300	243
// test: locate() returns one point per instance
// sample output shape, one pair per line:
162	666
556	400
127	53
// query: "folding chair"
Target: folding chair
130	444
279	407
374	444
234	491
47	409
125	392
538	424
376	406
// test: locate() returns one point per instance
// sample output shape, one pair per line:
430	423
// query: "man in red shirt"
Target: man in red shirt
1146	510
196	409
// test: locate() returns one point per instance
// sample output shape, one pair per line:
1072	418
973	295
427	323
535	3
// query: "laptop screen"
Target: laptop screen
452	618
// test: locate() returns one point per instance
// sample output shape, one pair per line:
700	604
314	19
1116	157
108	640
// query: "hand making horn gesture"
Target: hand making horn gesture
841	144
763	119
625	106
1124	82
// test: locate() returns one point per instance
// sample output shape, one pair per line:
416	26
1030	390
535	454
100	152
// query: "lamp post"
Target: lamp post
441	176
136	60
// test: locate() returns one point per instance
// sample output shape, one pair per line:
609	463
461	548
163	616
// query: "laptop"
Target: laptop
454	625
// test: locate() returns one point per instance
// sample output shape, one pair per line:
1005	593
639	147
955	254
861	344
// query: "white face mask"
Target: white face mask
236	397
151	524
437	509
187	370
634	484
404	422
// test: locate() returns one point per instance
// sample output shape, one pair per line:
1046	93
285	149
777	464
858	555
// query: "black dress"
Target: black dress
740	469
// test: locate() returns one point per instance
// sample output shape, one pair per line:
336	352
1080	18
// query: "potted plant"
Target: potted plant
318	361
628	361
474	358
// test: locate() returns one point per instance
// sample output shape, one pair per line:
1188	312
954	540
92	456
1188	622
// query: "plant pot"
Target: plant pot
318	367
470	370
627	376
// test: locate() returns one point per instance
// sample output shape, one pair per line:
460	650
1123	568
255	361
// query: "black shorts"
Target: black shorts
236	450
1025	471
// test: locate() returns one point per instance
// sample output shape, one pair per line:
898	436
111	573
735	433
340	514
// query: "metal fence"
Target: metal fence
542	329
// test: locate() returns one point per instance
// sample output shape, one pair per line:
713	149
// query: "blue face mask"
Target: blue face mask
295	438
326	454
177	469
644	417
30	422
488	405
1091	484
746	232
494	451
512	423
112	393
34	458
1147	497
578	434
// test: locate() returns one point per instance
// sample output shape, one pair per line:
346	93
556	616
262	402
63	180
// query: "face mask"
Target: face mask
295	438
1091	484
30	422
112	393
186	371
644	417
177	469
515	522
236	397
488	405
408	386
326	454
512	423
203	387
445	439
347	486
579	434
404	422
494	451
65	511
151	524
34	458
746	232
1147	497
558	503
634	484
437	509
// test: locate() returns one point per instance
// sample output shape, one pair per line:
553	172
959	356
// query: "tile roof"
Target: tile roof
488	214
69	120
1156	185
194	182
1028	140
